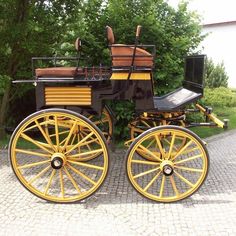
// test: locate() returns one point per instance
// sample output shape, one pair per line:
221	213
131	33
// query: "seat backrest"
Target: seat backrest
110	35
77	44
194	73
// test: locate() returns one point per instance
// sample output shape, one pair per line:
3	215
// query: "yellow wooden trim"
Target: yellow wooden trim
134	76
68	96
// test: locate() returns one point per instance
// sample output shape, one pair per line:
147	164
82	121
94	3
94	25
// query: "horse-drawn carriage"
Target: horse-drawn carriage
60	153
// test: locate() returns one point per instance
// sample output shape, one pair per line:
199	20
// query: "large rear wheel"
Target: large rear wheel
47	156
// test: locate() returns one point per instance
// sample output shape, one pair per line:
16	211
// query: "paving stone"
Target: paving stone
117	209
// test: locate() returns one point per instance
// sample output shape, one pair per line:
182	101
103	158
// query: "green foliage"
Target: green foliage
4	79
215	75
45	28
124	111
219	97
29	28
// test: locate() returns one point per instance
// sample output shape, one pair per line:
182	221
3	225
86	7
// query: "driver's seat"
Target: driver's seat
122	54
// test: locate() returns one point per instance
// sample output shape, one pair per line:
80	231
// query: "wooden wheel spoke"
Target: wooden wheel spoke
171	146
102	121
184	179
160	145
49	182
188	169
73	139
138	130
168	142
69	135
56	133
174	185
47	138
188	159
145	123
81	174
148	152
32	153
63	141
182	149
190	150
87	143
48	122
38	144
80	142
72	180
33	164
62	184
85	153
86	165
150	144
85	134
146	172
162	186
152	181
59	133
145	162
39	174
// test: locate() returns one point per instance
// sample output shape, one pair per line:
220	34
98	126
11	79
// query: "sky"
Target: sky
213	11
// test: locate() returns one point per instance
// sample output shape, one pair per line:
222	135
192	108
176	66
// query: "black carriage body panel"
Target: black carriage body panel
74	96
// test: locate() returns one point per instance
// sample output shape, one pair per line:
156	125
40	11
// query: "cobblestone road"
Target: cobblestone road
116	209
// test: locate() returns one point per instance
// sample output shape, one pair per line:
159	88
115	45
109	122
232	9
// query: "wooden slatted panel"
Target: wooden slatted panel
80	96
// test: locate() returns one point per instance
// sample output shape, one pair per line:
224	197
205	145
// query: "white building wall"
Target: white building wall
220	45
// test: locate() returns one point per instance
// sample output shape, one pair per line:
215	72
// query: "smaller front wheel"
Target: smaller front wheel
173	171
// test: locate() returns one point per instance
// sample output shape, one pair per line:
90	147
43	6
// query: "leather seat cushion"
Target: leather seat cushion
58	72
122	56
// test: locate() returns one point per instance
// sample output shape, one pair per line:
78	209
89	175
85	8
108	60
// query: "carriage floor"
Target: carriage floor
176	100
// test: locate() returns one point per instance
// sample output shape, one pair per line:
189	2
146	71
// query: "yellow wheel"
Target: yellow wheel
104	123
172	173
47	157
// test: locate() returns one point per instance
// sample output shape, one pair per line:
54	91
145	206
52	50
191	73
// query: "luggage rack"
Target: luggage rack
94	73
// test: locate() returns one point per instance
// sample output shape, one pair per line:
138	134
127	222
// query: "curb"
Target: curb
220	136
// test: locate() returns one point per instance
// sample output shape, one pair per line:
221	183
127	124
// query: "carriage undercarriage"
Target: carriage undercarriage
60	153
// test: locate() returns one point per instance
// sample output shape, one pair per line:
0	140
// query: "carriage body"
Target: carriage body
75	126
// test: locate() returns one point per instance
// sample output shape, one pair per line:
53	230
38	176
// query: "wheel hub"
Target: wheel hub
58	161
167	167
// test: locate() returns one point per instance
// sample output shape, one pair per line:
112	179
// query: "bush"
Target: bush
215	75
219	97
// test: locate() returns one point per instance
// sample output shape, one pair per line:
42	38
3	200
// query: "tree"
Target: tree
28	28
215	75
